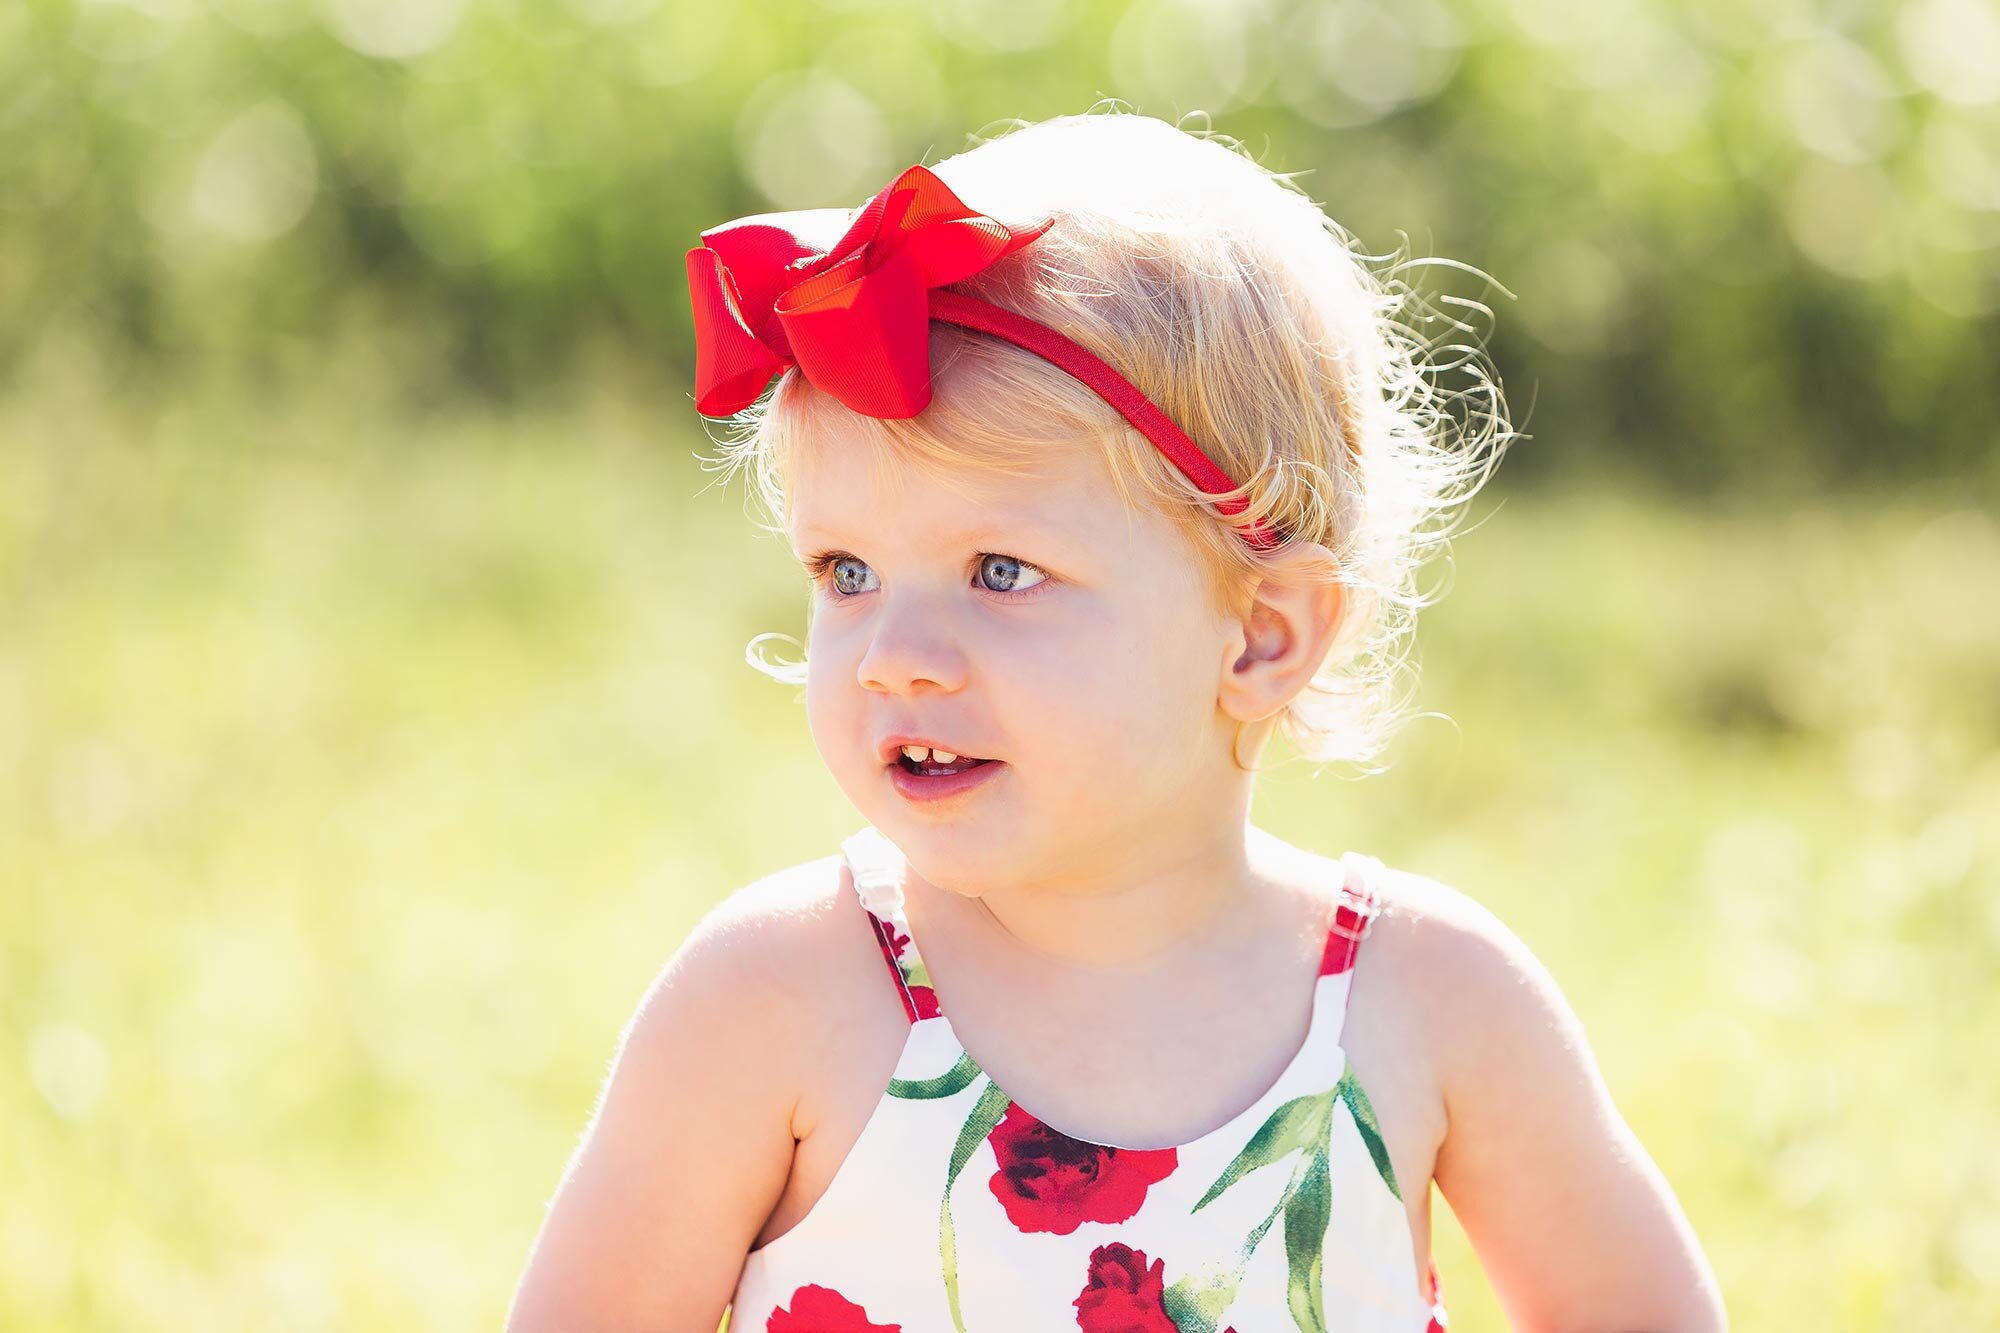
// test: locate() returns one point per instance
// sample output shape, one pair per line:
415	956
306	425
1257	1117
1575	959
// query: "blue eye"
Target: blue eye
843	569
1006	570
848	576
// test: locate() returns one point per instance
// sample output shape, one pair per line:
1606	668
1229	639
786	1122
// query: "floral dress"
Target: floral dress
959	1210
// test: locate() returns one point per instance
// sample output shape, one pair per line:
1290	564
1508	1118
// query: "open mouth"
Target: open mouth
933	769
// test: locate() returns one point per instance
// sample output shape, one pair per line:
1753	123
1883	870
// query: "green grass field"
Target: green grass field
358	772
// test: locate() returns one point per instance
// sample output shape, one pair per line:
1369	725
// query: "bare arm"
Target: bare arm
1572	1221
684	1159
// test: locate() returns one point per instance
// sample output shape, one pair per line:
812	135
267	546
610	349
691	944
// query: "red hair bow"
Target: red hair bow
855	318
854	315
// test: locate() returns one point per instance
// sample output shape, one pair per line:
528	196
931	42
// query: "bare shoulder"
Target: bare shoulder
1480	994
796	953
1428	932
1475	995
1429	948
796	938
1573	1222
1419	912
692	1140
1400	1033
788	909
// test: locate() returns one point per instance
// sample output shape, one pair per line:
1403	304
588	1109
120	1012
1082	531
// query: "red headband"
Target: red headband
855	317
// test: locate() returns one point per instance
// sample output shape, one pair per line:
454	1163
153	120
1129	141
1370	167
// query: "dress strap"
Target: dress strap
1357	902
877	867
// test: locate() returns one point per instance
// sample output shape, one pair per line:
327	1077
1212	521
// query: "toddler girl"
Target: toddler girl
1106	458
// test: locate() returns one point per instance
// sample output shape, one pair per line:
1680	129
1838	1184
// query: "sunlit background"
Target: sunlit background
373	713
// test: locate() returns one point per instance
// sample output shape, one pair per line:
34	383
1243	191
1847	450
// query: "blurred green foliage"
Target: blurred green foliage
373	720
1747	243
357	776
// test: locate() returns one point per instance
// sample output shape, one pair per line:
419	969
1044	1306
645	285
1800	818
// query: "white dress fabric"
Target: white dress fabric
959	1211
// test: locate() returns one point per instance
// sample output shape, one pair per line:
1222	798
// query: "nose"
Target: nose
910	646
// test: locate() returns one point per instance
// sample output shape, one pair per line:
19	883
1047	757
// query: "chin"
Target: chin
963	858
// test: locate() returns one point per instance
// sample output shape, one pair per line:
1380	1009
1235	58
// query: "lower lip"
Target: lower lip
915	787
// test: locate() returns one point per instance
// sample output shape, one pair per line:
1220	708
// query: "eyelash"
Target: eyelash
819	569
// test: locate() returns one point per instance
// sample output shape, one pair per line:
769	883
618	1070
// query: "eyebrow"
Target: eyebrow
985	535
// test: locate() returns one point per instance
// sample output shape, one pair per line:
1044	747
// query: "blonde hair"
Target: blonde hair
1229	298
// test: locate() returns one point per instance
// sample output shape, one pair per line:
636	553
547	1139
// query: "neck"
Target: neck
1147	902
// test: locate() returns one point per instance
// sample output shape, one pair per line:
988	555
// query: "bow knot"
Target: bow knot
853	315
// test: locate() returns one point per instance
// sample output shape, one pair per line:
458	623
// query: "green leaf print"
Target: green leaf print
1307	1212
986	1113
1303	1125
1300	1126
954	1080
1371	1132
1196	1302
1296	1125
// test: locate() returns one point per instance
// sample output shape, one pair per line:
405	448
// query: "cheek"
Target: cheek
1137	693
832	703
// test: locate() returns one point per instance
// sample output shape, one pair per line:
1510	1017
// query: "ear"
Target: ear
1282	636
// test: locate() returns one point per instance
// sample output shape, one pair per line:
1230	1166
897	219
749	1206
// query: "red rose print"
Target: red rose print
1124	1294
817	1309
923	999
1048	1181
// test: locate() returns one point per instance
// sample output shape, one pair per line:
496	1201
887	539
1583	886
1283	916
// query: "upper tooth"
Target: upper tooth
918	754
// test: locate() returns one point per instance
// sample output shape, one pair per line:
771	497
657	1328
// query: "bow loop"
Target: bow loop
853	315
